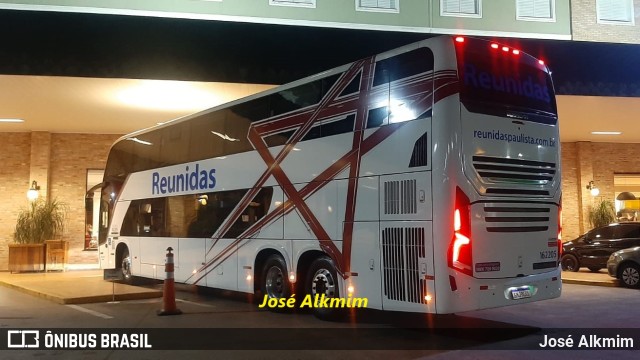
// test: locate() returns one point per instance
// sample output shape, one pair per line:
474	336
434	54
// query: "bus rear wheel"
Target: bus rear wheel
275	282
322	281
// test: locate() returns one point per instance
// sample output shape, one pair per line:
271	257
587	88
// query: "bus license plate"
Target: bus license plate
520	294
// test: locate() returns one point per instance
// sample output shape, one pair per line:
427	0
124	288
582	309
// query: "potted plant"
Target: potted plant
601	214
39	223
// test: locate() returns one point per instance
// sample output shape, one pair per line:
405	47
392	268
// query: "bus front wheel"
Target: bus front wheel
125	266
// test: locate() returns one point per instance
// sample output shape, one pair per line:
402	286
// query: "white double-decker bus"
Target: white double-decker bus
424	179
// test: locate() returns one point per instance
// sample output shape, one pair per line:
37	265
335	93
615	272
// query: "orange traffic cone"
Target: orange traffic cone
169	289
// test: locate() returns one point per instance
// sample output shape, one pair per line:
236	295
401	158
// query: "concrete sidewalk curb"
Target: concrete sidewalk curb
74	288
612	283
150	294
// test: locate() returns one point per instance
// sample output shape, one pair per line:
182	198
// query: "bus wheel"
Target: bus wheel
275	282
322	281
125	266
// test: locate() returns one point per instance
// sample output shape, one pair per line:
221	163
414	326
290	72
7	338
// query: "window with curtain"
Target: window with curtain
301	3
536	10
472	8
378	5
615	11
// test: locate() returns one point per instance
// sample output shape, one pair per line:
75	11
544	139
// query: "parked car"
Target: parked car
625	265
592	250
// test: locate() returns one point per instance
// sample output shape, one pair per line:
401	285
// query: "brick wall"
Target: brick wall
585	26
570	193
15	149
70	157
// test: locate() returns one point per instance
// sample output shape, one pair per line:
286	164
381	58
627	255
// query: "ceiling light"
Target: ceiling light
164	95
9	120
606	132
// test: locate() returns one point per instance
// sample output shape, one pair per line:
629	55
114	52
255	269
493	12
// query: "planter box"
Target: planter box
57	252
26	257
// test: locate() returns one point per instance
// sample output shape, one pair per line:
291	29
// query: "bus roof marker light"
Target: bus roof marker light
494	46
459	39
541	62
516	52
505	48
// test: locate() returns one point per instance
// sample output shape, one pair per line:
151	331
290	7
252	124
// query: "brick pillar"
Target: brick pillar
40	164
585	174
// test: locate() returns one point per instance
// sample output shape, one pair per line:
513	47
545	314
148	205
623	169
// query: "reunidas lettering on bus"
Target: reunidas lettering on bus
511	85
198	179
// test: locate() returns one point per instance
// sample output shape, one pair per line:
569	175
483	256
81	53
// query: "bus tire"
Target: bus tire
322	279
275	281
125	266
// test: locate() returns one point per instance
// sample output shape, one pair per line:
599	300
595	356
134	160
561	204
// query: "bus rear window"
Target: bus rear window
496	81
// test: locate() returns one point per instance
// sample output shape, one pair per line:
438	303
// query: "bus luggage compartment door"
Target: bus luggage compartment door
407	266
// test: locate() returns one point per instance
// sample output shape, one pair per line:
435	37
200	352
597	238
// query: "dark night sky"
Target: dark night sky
65	44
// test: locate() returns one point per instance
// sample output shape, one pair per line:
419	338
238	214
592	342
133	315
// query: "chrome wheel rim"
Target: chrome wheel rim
274	282
630	276
126	267
323	283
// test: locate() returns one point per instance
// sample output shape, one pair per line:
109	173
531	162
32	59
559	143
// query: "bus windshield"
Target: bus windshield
110	190
502	81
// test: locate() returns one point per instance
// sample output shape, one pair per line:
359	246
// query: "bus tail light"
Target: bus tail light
560	230
459	255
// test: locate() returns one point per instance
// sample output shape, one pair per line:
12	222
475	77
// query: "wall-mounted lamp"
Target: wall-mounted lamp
34	191
593	189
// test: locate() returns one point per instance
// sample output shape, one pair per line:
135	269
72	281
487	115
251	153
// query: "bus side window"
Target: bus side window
255	211
144	219
130	223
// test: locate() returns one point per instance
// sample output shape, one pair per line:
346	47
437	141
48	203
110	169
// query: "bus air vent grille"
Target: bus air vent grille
515	171
516	218
420	154
401	249
400	197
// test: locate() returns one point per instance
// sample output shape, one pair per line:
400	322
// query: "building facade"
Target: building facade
61	161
